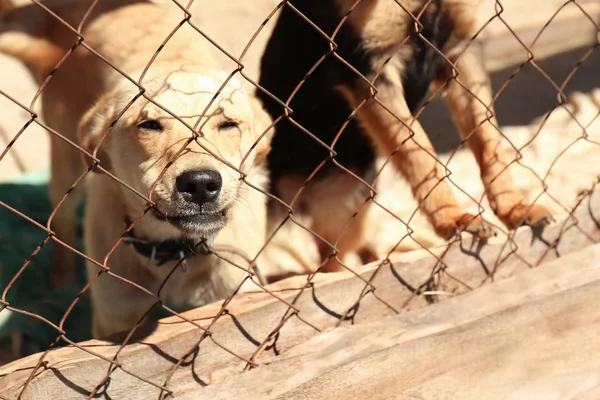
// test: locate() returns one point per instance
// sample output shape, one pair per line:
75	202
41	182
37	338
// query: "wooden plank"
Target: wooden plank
71	372
562	26
530	336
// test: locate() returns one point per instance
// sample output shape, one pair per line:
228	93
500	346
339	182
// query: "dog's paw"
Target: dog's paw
477	226
525	214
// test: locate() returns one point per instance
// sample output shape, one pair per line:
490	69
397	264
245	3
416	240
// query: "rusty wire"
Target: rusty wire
292	310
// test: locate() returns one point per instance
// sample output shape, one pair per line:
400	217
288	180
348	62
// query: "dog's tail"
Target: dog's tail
23	35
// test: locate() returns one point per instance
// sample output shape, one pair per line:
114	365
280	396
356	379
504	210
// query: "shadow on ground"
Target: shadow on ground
527	96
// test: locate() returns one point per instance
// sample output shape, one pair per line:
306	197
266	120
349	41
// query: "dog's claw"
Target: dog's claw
535	216
542	222
476	226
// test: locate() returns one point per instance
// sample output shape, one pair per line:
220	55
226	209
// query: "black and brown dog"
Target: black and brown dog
380	44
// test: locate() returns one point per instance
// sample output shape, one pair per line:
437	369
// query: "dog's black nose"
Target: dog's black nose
199	186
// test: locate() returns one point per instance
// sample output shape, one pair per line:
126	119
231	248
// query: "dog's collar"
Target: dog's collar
167	250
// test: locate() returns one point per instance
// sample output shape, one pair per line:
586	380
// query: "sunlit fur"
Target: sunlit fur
380	40
84	98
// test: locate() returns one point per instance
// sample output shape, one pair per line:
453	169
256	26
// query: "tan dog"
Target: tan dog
202	207
362	101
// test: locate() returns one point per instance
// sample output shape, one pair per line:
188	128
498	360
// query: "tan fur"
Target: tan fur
389	122
32	35
329	209
90	95
383	23
319	207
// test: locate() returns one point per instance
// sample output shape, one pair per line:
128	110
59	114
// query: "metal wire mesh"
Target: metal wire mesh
405	229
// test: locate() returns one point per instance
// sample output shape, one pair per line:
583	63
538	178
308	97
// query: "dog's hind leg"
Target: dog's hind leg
349	239
332	214
469	98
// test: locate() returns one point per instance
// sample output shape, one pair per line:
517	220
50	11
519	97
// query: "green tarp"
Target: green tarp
19	239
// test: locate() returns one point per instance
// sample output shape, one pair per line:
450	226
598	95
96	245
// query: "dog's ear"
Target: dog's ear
93	130
262	122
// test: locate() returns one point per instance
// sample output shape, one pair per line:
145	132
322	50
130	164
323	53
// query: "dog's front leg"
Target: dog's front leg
66	167
117	306
388	120
469	98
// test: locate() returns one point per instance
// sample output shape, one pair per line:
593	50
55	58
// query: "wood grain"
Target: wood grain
530	336
70	373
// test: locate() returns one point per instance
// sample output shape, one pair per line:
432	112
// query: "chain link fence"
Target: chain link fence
551	136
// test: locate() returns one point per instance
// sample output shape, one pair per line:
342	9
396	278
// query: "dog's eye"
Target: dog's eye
226	125
151	125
